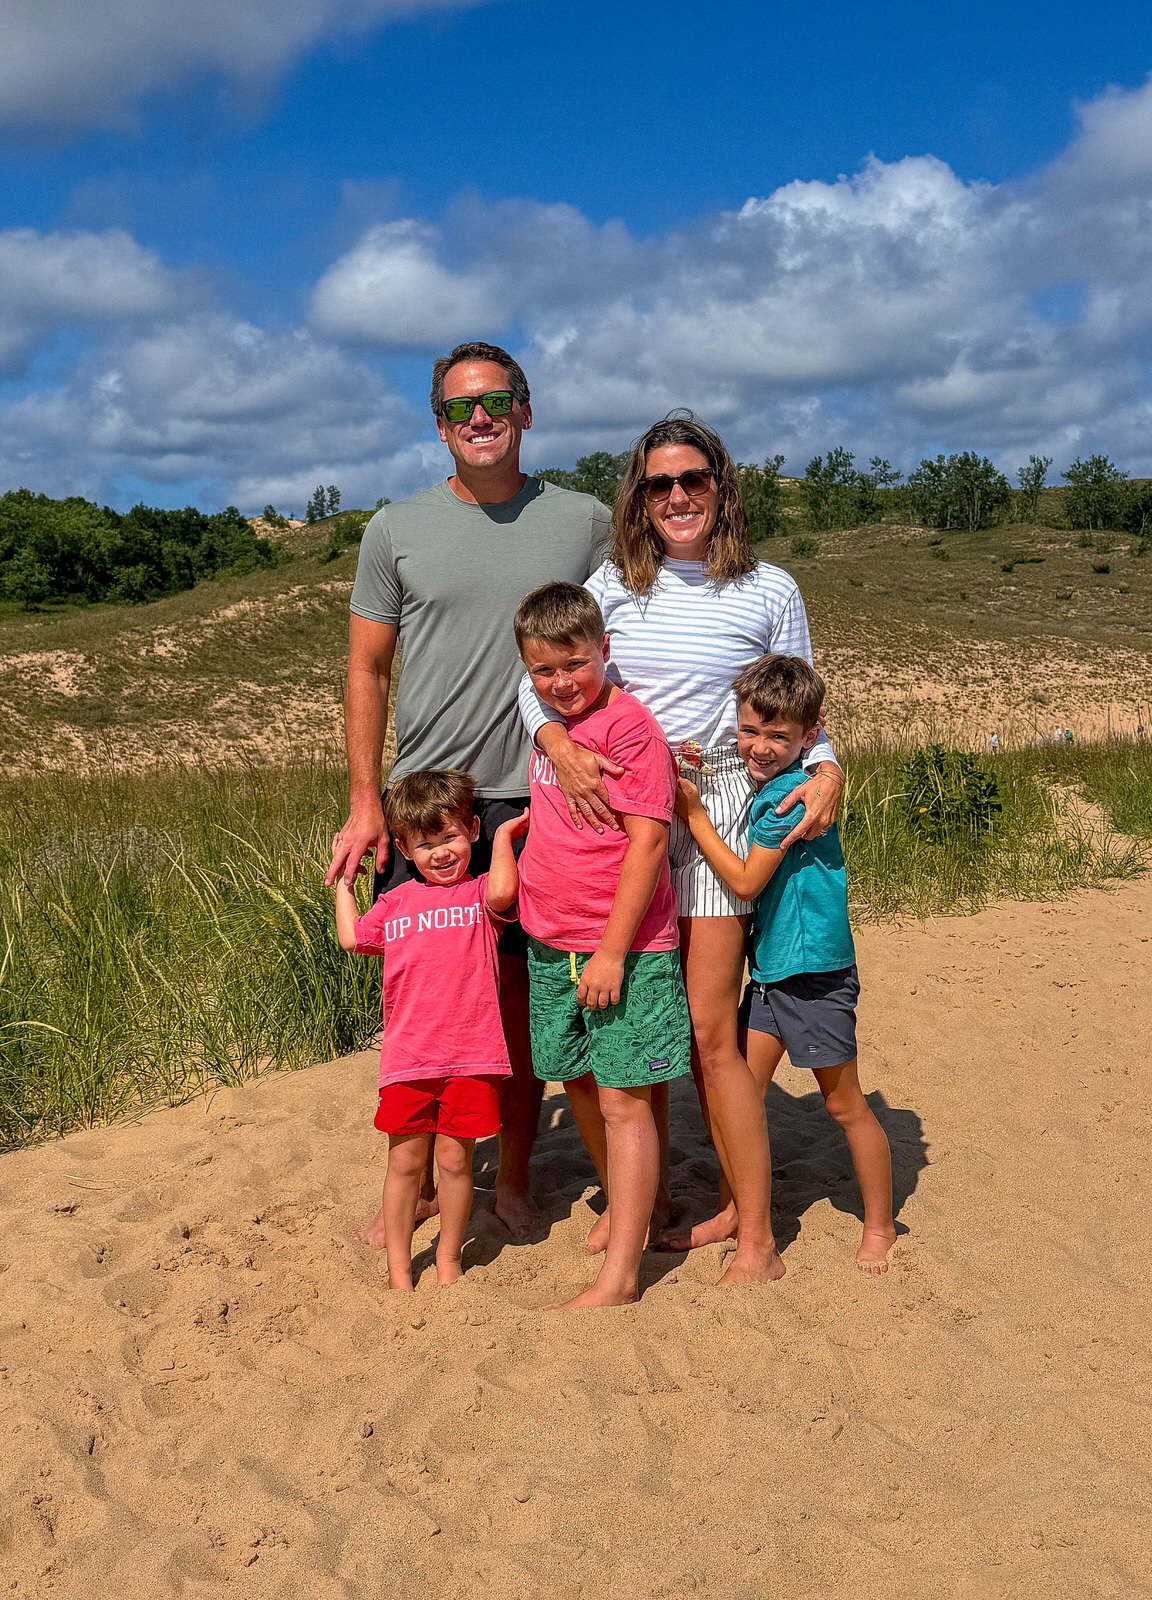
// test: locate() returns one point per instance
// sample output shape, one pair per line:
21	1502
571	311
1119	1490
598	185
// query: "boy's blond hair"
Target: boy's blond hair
782	686
420	802
557	613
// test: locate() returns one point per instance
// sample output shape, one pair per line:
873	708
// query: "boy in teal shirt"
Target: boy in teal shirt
803	989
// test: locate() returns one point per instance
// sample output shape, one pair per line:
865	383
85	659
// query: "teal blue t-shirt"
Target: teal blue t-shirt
800	919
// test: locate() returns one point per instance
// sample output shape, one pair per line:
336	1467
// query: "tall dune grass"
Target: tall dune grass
161	933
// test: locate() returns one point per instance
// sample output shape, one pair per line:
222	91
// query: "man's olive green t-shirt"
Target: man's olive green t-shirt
450	575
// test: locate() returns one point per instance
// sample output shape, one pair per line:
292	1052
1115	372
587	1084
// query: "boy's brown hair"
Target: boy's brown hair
558	613
782	686
420	802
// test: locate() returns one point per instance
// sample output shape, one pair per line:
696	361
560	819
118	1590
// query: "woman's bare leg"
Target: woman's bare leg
713	955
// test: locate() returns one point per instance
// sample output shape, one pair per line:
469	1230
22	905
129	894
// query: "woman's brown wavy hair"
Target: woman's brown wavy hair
637	550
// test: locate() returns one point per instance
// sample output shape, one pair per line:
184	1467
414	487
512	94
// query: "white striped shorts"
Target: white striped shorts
727	795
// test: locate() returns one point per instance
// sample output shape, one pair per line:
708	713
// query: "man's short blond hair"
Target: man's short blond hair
558	613
422	802
782	686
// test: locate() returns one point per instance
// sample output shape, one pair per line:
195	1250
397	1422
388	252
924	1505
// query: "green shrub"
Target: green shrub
802	546
948	795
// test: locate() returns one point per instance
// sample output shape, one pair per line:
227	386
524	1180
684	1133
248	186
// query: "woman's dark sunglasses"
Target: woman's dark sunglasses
696	481
497	403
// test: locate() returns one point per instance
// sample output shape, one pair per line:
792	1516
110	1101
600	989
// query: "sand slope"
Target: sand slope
204	1386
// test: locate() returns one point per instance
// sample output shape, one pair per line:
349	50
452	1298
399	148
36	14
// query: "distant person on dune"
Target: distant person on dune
441	575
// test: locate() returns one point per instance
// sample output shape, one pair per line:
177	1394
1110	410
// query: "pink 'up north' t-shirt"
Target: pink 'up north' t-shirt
568	875
441	994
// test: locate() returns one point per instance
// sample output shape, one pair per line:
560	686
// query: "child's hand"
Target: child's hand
600	982
516	827
361	866
687	799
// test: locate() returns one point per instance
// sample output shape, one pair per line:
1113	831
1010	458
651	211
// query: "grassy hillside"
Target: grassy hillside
918	634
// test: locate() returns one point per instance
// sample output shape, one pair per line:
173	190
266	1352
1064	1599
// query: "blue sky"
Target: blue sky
233	235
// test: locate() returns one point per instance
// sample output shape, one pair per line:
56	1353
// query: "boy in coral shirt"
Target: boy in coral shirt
607	1009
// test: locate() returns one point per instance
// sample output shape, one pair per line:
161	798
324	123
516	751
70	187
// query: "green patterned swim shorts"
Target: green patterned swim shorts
640	1041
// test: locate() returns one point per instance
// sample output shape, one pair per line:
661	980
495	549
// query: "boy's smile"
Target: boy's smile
569	677
442	858
767	746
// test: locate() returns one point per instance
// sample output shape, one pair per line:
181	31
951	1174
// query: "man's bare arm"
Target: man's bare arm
371	652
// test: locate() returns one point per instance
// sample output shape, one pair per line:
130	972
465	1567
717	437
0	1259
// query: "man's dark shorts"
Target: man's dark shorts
491	813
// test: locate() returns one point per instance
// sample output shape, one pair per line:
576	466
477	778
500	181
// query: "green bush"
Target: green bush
803	546
947	795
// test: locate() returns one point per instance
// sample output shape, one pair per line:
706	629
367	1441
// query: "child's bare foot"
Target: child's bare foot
518	1212
401	1282
753	1264
597	1241
714	1231
371	1233
448	1270
601	1295
872	1256
427	1206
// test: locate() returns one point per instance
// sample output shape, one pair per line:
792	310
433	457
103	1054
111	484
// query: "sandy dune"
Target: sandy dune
204	1385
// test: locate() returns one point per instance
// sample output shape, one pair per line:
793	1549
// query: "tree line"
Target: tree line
73	550
958	491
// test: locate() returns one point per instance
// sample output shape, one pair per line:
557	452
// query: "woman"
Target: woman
687	606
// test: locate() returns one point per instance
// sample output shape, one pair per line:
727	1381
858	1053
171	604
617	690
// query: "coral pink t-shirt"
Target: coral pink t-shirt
441	994
568	875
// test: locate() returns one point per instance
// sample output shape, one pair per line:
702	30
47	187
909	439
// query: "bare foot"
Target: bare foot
401	1282
597	1295
714	1231
753	1264
427	1206
661	1214
371	1233
872	1256
597	1241
518	1212
448	1271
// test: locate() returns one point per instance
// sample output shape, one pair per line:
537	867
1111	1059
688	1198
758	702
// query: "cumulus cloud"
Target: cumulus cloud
901	309
49	281
66	65
244	414
391	291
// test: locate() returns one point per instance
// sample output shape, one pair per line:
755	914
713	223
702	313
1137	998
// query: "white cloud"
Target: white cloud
245	414
69	64
899	311
48	281
391	291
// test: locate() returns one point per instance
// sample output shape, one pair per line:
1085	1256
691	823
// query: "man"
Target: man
441	574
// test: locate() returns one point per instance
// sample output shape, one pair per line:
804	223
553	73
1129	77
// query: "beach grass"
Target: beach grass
164	932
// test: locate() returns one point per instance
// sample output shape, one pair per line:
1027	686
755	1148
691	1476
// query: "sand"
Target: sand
204	1385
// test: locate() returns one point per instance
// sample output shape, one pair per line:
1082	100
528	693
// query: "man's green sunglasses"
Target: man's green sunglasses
497	403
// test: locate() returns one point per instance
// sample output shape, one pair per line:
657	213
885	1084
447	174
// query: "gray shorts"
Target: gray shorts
812	1014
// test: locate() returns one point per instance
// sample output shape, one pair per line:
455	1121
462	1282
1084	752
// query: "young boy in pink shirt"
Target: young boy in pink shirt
444	1056
607	1009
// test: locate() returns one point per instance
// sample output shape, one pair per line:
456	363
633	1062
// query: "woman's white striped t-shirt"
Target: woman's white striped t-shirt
678	648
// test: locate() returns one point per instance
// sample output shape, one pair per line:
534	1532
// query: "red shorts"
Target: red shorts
462	1108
